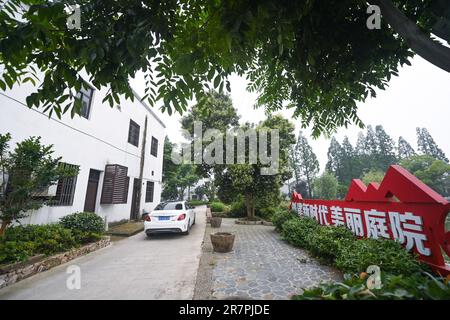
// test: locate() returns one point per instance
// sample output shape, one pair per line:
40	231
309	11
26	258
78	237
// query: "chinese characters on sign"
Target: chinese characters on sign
401	208
404	227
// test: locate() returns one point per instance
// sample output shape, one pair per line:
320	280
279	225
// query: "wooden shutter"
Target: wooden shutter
115	184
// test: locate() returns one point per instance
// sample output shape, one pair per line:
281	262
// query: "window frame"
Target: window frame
154	147
137	127
65	190
150	186
90	96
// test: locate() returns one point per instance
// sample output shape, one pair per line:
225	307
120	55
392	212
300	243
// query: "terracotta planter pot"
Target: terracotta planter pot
222	241
216	222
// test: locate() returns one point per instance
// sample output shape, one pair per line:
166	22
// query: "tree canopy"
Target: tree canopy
316	57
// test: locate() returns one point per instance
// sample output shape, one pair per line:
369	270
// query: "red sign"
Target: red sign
401	208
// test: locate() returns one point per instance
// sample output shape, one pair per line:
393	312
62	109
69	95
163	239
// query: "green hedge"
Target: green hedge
217	206
339	247
326	242
389	255
197	202
402	274
83	221
22	242
296	231
280	217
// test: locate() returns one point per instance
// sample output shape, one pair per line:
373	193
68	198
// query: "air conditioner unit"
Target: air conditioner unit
47	192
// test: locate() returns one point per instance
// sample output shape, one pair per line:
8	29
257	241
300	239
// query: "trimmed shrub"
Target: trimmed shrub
83	221
197	202
13	251
84	237
326	241
237	209
297	231
267	213
389	255
281	216
217	207
22	242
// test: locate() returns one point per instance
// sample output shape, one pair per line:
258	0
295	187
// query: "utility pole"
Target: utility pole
141	173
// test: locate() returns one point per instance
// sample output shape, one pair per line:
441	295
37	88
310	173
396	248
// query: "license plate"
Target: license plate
164	218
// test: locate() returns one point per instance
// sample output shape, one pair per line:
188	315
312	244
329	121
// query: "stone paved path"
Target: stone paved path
262	266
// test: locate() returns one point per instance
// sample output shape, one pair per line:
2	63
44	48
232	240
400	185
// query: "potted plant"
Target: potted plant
217	212
222	241
215	221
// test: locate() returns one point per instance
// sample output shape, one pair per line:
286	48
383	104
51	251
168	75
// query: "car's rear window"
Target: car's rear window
169	206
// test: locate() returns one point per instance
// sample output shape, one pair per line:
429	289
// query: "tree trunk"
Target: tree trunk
417	40
249	206
5	224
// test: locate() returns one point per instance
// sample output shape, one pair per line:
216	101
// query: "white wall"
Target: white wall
89	143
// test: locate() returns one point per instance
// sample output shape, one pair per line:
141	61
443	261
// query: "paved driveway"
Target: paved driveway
261	266
163	267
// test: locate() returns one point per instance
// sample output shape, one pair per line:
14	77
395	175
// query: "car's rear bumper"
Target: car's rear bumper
163	230
165	226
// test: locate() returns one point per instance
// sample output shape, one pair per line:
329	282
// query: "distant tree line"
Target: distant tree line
368	160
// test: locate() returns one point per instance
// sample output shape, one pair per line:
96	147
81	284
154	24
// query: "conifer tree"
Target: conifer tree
404	149
307	161
428	146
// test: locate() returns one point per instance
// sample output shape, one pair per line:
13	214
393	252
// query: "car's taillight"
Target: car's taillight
181	217
147	218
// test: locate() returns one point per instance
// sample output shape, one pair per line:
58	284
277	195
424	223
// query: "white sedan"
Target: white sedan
170	217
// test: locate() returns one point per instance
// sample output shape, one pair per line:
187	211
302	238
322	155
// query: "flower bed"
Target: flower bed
337	246
12	273
26	250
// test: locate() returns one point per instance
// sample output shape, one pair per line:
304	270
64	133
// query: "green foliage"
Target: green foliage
31	168
373	176
404	149
217	206
326	187
185	48
297	231
389	255
22	242
305	162
338	246
83	221
197	202
435	173
249	180
427	145
281	216
13	251
326	241
184	176
394	287
237	208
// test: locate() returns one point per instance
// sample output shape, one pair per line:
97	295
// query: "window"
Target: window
149	191
115	184
65	190
154	148
85	95
169	206
133	133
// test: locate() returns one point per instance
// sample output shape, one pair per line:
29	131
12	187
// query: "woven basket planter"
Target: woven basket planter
222	241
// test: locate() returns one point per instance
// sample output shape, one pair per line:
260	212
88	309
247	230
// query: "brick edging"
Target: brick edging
32	267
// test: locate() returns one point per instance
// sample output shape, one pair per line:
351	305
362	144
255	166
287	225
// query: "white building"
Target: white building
107	146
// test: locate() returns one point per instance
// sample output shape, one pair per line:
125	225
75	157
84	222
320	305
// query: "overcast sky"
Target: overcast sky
418	97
